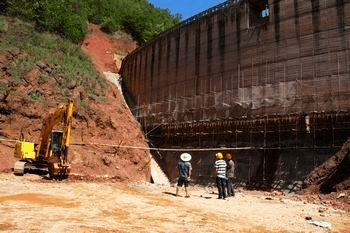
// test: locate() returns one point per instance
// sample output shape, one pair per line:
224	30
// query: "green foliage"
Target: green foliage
3	24
4	88
35	95
62	16
69	17
21	66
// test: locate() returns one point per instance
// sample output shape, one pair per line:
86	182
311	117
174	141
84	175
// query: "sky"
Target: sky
186	8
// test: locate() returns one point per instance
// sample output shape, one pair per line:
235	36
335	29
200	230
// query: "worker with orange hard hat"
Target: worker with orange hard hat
230	173
220	166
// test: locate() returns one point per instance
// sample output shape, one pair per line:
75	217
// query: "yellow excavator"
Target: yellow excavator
51	154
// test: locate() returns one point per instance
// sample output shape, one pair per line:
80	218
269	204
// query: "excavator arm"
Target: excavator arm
68	116
49	122
63	115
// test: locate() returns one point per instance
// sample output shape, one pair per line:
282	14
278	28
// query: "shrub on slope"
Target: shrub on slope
69	17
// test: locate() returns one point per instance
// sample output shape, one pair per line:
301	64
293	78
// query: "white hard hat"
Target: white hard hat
185	157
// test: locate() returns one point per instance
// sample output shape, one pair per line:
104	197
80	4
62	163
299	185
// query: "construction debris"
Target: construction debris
333	174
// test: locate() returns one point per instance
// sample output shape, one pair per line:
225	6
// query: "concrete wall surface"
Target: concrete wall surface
296	60
231	78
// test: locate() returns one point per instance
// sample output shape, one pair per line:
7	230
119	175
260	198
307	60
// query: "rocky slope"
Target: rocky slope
100	144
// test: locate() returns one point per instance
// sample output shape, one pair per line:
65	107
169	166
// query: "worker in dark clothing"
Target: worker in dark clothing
185	171
230	173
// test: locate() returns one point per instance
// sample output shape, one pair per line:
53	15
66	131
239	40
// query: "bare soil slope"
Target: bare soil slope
91	153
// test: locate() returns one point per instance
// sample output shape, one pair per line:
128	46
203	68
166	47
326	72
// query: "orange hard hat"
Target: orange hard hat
228	156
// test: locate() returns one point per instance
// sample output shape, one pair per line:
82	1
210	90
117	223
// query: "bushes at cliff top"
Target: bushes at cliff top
69	17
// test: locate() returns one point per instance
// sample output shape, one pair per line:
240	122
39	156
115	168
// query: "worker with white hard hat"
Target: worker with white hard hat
185	171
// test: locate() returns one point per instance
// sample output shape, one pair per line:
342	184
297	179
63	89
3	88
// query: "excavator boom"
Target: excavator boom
49	122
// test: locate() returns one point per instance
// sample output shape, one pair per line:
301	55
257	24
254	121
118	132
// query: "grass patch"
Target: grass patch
122	53
3	24
35	95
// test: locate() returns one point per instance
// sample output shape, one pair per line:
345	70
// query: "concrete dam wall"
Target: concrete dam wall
275	90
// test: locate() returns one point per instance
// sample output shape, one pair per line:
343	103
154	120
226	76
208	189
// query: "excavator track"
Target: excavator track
18	169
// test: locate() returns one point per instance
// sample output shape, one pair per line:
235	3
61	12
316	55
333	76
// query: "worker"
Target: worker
266	12
220	166
230	173
185	172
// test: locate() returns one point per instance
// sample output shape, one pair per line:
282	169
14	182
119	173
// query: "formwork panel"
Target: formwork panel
323	65
288	29
304	7
328	3
292	46
347	14
267	52
279	72
246	77
286	9
321	43
292	70
306	27
329	19
309	68
183	56
171	59
337	40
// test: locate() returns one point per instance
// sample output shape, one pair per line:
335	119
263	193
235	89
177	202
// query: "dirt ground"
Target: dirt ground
33	204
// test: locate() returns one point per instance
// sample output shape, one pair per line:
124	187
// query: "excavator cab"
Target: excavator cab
56	141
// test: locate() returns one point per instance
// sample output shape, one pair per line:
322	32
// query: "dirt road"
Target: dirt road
33	204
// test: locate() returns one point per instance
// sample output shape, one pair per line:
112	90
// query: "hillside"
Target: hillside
108	123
